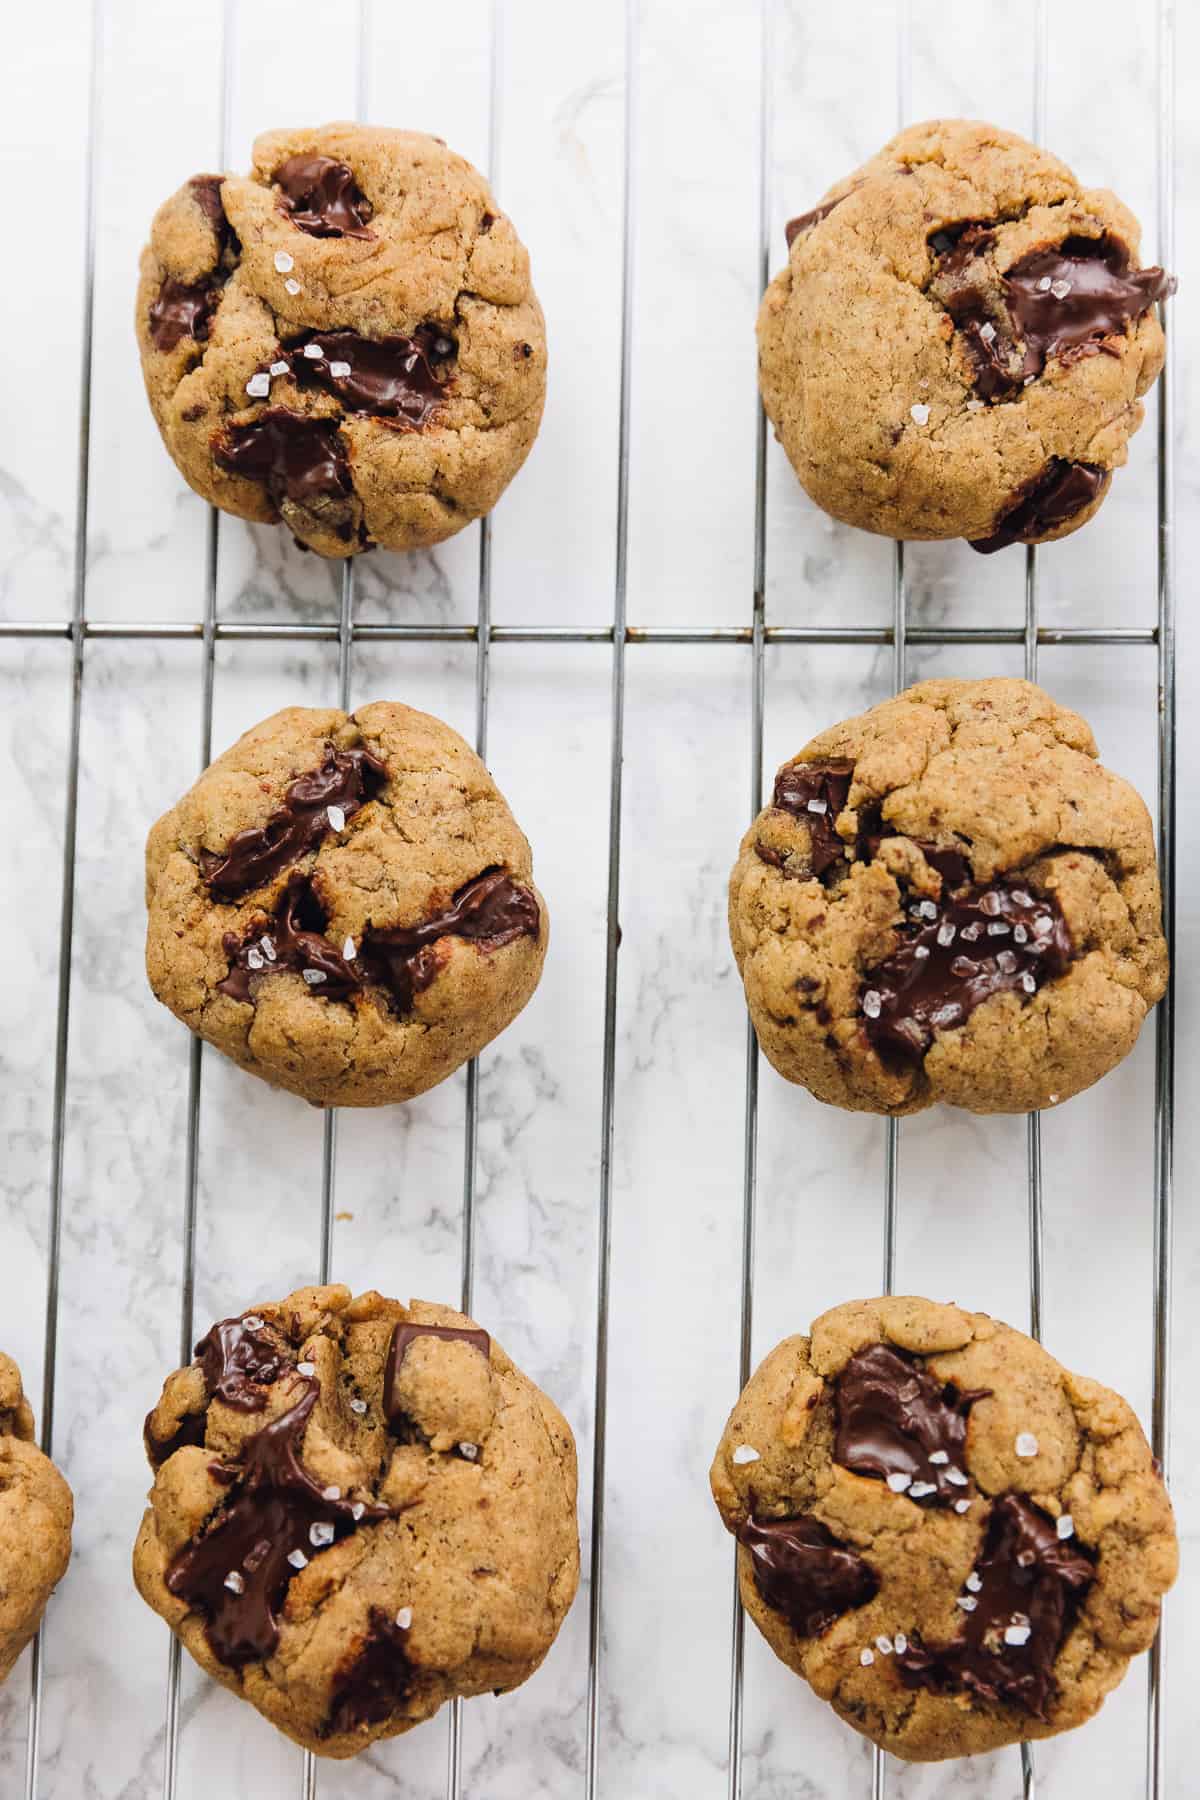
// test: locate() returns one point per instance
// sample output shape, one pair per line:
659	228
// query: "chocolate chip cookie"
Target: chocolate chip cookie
958	1543
344	905
346	339
36	1513
360	1510
949	898
959	343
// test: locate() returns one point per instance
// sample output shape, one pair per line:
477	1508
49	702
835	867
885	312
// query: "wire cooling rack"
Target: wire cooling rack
619	636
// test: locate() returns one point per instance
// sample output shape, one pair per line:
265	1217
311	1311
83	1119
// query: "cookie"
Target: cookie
344	905
346	339
360	1510
959	343
36	1513
949	898
958	1543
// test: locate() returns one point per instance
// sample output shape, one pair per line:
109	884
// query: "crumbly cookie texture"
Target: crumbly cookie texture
346	339
36	1513
344	905
960	340
949	898
326	1539
949	1601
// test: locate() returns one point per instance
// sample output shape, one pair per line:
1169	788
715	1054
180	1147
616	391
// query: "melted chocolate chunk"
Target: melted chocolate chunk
949	861
1059	492
207	191
181	310
816	793
985	328
376	1682
190	1430
956	246
238	1362
892	1416
402	1337
804	1572
299	458
393	377
238	1571
1066	299
346	779
323	197
998	939
492	910
1032	1584
292	940
806	221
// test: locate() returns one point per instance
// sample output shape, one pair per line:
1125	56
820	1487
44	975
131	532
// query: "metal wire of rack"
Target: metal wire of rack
78	631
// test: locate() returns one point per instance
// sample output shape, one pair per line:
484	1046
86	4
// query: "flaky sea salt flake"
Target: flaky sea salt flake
297	1559
339	370
1060	289
872	1005
292	285
866	1658
280	368
899	1482
259	386
313	352
336	817
283	262
314	977
1026	1445
235	1581
332	1492
358	1406
968	1602
404	1617
1017	1634
307	1368
1064	1525
320	1533
745	1453
919	413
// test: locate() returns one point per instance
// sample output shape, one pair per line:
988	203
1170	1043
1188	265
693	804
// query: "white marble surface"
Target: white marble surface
680	1049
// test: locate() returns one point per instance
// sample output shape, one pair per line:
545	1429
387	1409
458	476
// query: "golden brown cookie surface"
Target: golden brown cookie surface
949	898
960	340
344	905
958	1543
360	1510
36	1514
346	339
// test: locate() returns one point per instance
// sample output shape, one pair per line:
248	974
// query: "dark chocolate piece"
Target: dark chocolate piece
491	910
893	1417
182	309
986	329
207	190
403	1336
239	1361
299	458
817	793
376	1681
804	1572
322	197
190	1430
949	861
806	221
346	779
392	377
1071	296
292	940
238	1571
1058	493
954	955
1031	1587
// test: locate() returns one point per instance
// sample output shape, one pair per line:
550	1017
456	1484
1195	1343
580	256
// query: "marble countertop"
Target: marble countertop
121	523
